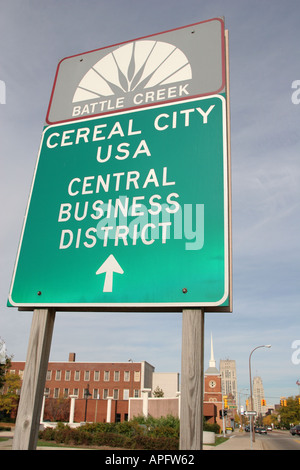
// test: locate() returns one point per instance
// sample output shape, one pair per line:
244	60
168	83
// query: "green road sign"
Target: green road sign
129	210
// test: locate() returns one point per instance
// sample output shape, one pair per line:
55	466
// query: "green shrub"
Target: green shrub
168	426
141	433
211	427
48	434
111	440
4	428
154	443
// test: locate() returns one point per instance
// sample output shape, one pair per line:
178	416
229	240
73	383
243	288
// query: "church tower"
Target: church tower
213	387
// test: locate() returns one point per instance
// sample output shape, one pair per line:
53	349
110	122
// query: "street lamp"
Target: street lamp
252	434
87	394
240	406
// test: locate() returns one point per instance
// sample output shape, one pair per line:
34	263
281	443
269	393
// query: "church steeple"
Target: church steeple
212	362
212	369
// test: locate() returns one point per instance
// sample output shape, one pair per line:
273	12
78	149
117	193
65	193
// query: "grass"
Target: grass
41	443
220	439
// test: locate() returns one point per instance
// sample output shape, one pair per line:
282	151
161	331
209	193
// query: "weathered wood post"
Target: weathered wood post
29	411
192	366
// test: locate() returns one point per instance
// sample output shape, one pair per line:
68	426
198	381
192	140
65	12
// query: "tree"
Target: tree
57	409
290	412
9	398
158	392
4	367
270	420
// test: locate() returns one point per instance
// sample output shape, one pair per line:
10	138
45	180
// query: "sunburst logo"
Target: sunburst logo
132	68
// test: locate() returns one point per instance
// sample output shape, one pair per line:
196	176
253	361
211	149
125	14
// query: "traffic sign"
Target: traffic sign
129	210
165	67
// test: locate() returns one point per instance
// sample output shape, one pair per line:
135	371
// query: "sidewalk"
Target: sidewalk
6	445
238	441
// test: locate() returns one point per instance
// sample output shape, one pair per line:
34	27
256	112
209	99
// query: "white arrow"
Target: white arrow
109	267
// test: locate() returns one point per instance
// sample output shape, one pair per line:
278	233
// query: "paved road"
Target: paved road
280	440
274	440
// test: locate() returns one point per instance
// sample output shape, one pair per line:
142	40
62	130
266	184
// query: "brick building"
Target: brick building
119	381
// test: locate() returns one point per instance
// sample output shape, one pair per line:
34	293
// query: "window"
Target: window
56	393
75	392
96	393
58	375
49	375
116	394
136	394
96	375
67	375
125	394
77	375
137	376
86	375
105	393
106	375
116	375
126	376
21	373
66	392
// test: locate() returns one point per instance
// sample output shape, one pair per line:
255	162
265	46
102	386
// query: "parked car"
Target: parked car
295	430
247	428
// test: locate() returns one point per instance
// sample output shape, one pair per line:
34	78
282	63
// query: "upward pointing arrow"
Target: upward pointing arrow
109	267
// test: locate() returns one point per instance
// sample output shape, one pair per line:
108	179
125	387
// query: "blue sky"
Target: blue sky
264	61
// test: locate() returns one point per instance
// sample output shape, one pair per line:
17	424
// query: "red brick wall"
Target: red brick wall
95	408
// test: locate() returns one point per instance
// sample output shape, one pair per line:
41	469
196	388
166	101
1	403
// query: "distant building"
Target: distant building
168	382
229	379
258	396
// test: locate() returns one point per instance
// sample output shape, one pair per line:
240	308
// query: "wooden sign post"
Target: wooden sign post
192	366
29	411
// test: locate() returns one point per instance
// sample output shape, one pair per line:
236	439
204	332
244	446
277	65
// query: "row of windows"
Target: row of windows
95	393
228	374
94	375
